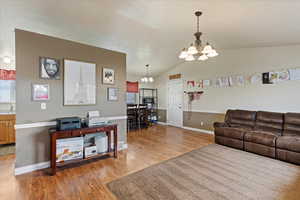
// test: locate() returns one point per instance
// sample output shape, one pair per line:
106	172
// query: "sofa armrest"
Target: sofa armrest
220	124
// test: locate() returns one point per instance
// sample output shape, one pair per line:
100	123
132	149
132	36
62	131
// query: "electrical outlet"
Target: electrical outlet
43	106
201	123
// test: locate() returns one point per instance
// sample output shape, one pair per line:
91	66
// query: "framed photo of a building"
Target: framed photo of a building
49	68
108	76
40	92
79	83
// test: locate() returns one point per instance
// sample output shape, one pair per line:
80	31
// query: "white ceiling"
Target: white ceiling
153	31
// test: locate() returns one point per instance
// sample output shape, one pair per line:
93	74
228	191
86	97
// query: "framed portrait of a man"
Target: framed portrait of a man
49	68
108	76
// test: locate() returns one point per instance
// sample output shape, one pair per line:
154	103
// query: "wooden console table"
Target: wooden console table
81	132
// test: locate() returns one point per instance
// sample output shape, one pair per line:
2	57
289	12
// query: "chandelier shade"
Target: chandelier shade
183	54
192	50
195	50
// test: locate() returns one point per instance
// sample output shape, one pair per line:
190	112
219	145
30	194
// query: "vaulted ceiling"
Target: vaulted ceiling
153	31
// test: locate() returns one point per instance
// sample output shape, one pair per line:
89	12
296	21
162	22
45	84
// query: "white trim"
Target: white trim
204	111
53	123
162	123
198	130
31	168
43	165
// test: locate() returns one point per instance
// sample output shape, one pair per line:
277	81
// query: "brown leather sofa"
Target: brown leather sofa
271	134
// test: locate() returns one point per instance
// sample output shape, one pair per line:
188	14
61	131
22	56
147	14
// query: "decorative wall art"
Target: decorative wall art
108	76
79	83
294	74
112	94
40	92
283	76
255	78
49	68
266	78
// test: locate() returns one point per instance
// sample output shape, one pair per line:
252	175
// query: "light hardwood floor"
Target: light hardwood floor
145	148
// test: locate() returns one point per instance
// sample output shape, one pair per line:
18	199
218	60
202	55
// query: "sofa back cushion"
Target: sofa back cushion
269	122
240	118
291	124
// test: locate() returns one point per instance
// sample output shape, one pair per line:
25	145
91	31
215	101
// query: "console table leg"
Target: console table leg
115	143
108	133
53	154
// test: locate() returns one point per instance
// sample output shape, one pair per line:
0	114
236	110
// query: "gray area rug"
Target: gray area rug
7	149
212	172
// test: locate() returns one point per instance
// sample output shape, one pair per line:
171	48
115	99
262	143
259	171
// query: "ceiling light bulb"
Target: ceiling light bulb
192	50
213	53
207	49
151	79
203	57
145	79
183	54
190	57
6	60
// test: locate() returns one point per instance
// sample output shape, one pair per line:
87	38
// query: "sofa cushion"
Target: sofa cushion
241	118
291	143
291	124
259	137
235	133
269	122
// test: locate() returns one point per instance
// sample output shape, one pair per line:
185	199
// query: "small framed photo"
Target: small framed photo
108	76
112	94
40	92
49	68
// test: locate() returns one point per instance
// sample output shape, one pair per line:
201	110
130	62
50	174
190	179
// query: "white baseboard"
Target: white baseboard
162	123
44	165
198	130
31	168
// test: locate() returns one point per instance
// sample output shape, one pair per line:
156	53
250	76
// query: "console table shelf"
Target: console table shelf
81	132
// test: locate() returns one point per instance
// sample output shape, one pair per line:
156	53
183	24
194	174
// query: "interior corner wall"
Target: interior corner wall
32	144
280	97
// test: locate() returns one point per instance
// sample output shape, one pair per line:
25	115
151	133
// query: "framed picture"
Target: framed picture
112	94
40	92
79	83
108	76
49	68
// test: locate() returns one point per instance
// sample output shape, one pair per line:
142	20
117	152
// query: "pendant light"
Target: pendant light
147	78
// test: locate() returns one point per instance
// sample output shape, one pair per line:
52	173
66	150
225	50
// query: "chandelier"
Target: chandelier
147	78
195	51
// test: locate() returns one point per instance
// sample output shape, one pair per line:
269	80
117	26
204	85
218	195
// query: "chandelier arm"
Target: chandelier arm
197	23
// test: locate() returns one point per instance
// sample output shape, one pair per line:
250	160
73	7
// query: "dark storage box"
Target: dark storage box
68	123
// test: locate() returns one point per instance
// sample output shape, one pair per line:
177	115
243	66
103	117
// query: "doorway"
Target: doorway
175	103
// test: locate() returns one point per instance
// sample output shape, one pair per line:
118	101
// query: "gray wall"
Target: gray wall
33	143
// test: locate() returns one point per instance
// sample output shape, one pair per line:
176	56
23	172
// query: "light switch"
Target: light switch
43	106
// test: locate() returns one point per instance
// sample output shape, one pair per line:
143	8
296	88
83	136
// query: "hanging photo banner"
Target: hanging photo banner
199	84
225	82
294	74
206	83
283	75
240	80
190	84
256	78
